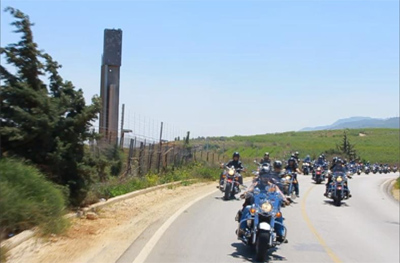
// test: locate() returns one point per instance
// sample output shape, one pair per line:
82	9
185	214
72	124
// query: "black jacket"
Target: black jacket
236	164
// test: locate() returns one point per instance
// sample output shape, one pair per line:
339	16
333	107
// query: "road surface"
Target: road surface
364	229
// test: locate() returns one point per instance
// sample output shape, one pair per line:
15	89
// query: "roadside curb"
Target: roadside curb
28	234
94	207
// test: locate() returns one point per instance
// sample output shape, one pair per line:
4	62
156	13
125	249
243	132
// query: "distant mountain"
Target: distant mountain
357	123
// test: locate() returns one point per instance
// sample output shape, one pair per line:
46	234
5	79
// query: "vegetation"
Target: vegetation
347	148
115	186
397	184
48	124
27	200
377	145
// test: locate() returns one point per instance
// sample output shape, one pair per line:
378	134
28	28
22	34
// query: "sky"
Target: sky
223	68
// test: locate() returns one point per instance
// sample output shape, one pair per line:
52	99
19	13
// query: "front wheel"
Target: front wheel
227	192
338	199
262	245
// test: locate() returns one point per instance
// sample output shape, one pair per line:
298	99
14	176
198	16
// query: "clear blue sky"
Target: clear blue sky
230	67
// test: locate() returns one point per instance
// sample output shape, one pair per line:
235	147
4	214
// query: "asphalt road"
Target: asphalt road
366	228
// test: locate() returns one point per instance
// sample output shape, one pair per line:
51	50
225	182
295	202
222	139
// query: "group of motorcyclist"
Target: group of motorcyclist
352	166
269	174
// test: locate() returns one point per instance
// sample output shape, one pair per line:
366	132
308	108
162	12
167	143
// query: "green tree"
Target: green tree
47	124
347	148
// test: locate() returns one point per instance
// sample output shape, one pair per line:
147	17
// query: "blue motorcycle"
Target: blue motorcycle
261	221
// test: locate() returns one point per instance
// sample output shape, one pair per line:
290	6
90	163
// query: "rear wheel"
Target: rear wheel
262	245
227	192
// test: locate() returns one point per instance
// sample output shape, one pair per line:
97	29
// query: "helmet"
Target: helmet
296	153
320	157
278	164
265	169
235	154
335	159
292	159
323	155
266	154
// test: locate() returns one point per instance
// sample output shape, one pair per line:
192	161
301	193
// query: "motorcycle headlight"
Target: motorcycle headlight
266	207
231	172
288	177
339	179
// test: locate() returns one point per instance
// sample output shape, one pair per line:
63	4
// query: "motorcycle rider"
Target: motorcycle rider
292	166
295	155
237	164
266	159
338	165
266	177
307	159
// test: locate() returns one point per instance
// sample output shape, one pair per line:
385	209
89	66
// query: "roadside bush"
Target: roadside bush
27	200
115	186
397	184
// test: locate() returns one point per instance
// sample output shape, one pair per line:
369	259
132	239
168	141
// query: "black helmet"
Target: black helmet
278	164
235	154
266	154
292	159
323	155
335	159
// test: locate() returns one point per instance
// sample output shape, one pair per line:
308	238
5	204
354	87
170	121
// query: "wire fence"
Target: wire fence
144	158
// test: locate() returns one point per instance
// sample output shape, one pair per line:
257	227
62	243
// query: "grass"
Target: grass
397	183
379	145
115	186
27	200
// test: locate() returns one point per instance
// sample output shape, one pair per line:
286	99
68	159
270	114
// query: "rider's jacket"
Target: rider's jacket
236	164
263	161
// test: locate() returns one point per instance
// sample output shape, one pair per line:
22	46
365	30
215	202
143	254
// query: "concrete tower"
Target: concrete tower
109	90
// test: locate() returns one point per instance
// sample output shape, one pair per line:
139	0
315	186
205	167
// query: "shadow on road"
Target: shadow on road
247	253
222	198
330	202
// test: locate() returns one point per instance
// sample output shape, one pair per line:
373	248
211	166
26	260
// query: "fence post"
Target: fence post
141	159
129	164
150	157
207	157
160	149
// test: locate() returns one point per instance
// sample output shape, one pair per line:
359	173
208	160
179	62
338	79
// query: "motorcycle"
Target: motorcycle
288	188
260	231
306	168
338	190
394	169
367	170
385	169
319	175
229	184
375	169
358	169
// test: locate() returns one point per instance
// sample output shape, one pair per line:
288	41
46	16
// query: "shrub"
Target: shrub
27	199
397	184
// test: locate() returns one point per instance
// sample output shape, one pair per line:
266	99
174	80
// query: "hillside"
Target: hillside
358	123
374	145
